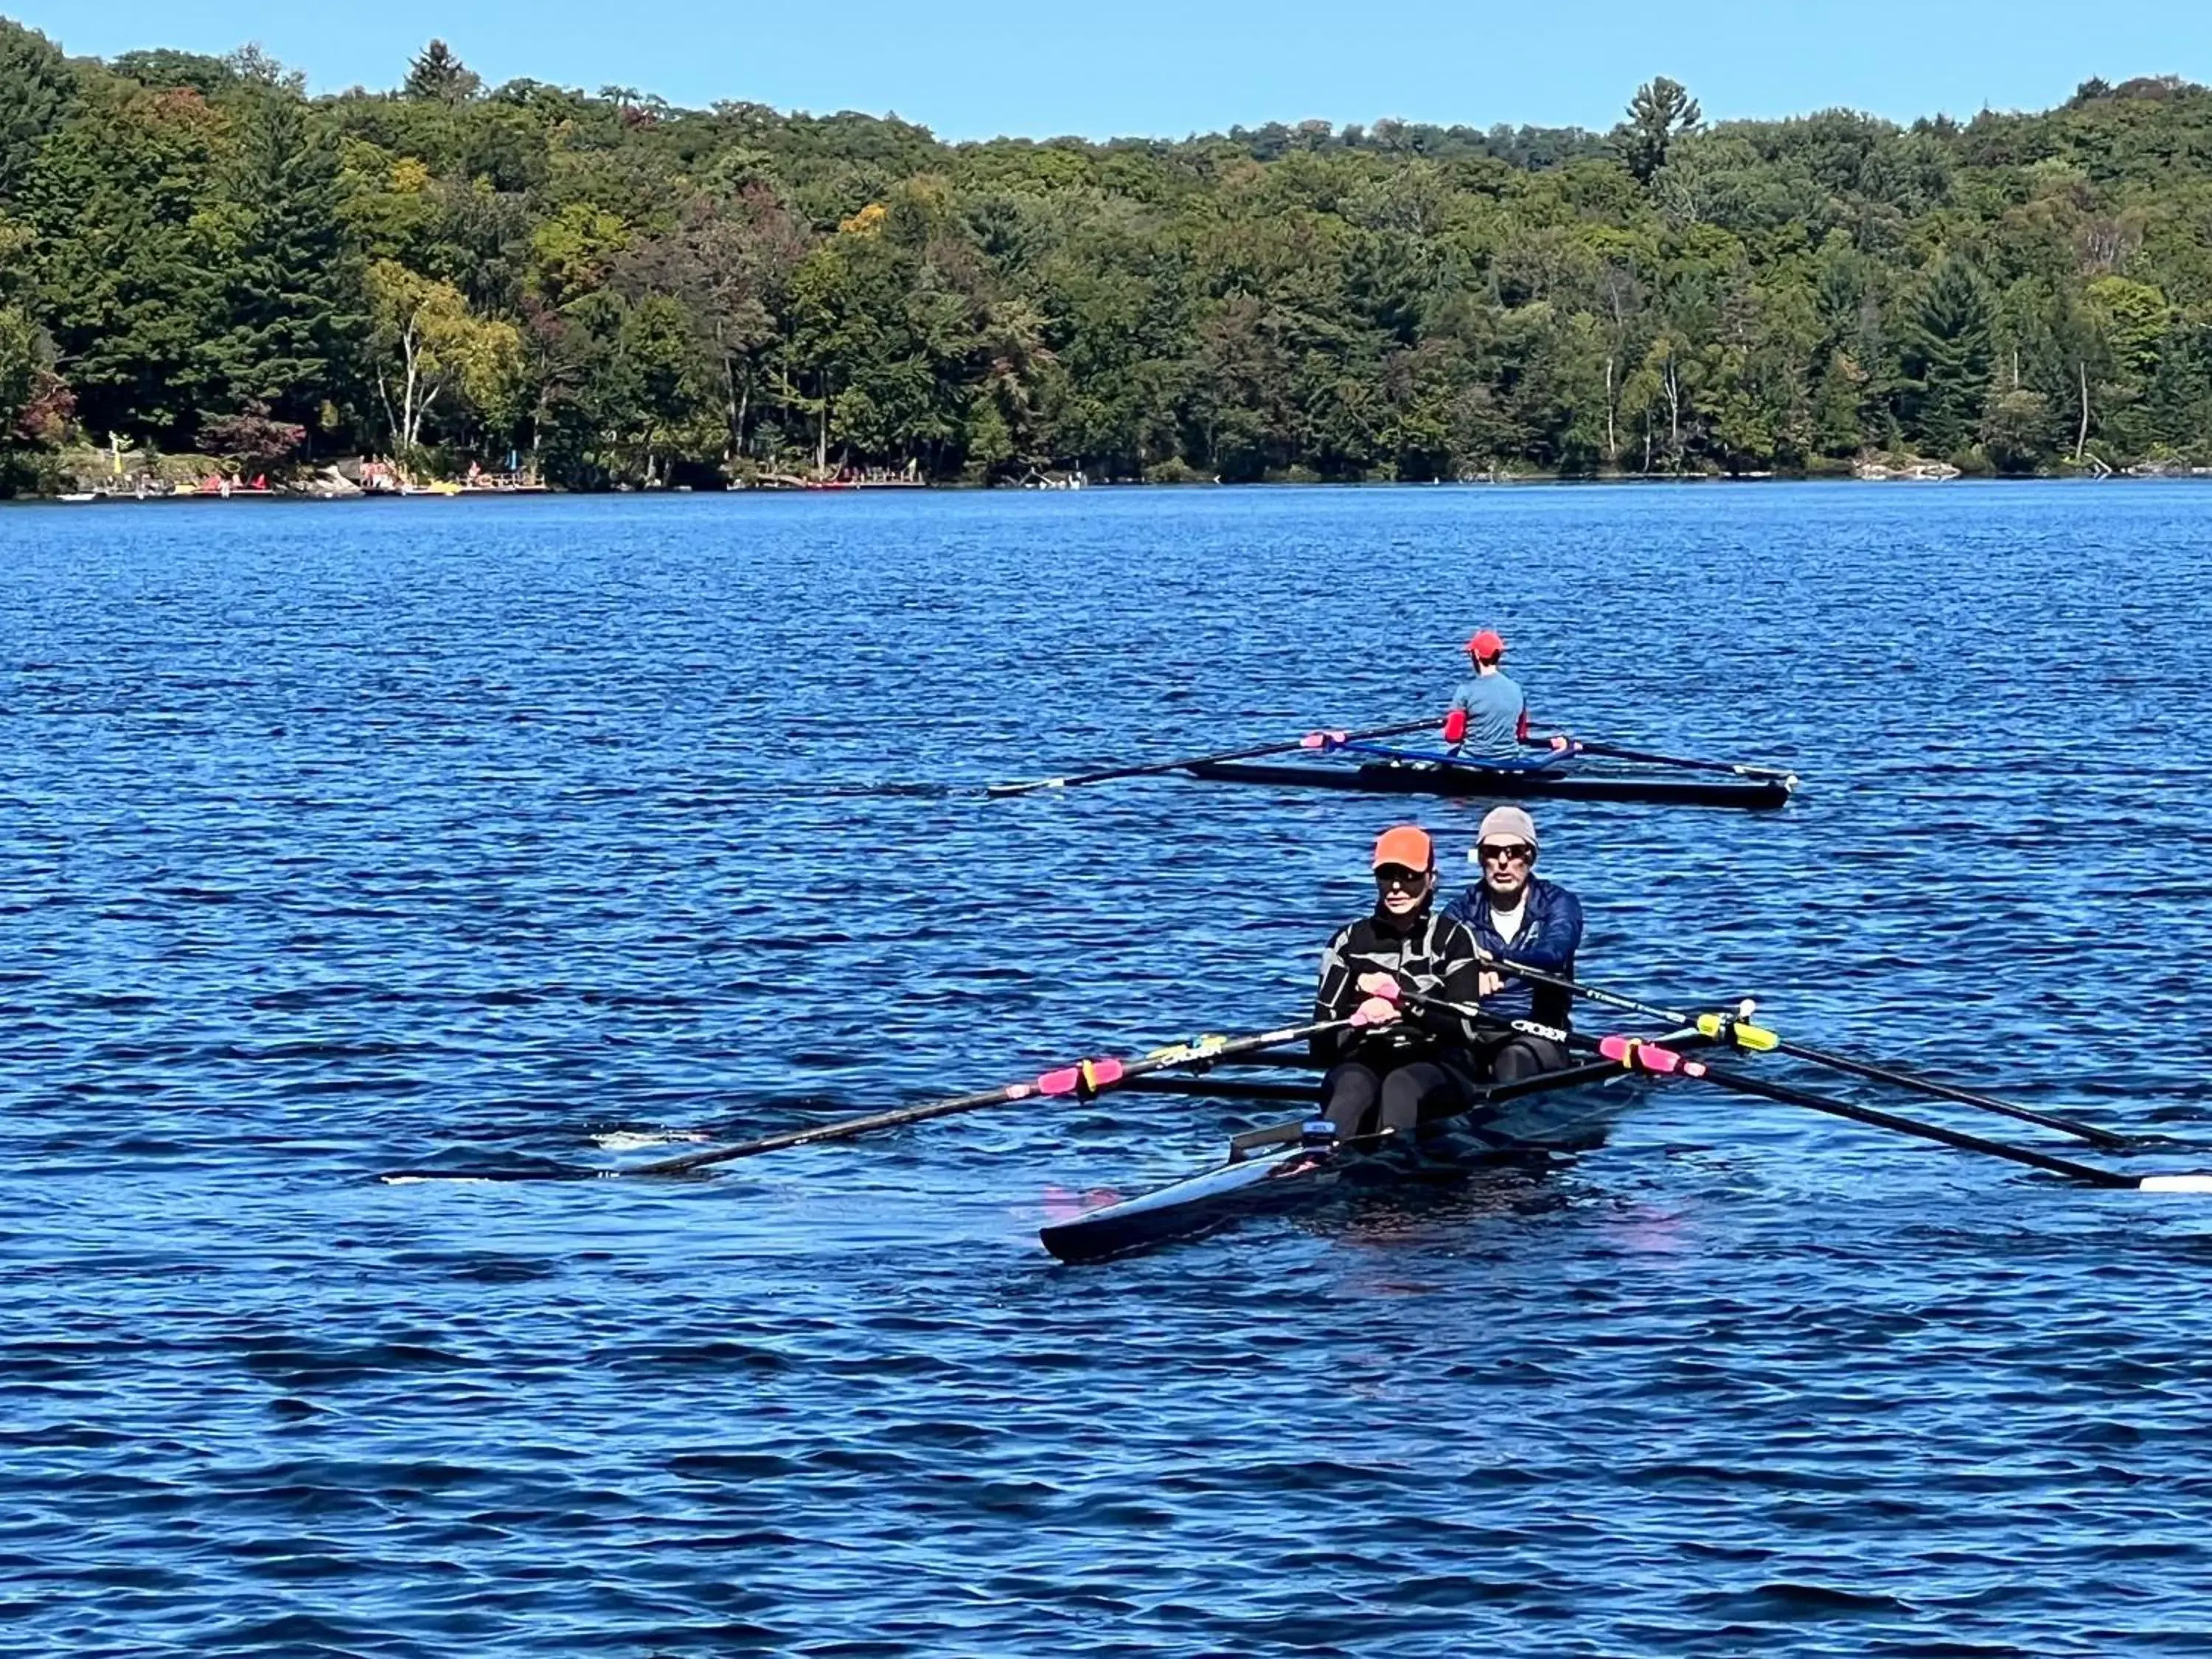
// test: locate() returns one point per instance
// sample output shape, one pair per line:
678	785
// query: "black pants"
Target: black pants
1524	1056
1359	1100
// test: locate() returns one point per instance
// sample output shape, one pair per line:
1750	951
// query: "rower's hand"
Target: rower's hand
1488	983
1375	1010
1561	743
1378	985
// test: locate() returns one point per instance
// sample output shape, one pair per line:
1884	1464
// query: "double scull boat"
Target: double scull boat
1284	1166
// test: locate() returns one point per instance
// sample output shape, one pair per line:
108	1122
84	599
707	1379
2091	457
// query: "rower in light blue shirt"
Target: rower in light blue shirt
1489	717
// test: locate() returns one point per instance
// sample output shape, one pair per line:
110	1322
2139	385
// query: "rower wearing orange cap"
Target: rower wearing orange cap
1403	1062
1489	717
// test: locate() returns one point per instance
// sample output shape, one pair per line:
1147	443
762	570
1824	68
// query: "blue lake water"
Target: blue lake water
339	838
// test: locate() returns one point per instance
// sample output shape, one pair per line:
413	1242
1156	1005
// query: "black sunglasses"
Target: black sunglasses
1515	852
1397	875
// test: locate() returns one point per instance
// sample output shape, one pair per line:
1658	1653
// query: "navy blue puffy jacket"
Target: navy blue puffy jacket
1551	934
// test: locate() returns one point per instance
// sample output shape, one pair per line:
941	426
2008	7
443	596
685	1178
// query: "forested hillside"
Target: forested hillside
197	258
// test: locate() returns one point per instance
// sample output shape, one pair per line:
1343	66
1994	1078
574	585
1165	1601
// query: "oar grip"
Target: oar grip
1640	1055
1084	1078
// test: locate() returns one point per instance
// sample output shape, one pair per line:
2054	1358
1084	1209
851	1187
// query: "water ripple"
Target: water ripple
336	840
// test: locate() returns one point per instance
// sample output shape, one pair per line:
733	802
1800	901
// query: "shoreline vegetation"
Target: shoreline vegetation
324	489
214	285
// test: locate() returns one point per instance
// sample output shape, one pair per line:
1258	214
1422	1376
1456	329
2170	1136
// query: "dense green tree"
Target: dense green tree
164	70
124	198
37	90
437	76
292	298
23	359
197	252
1948	354
2020	431
35	404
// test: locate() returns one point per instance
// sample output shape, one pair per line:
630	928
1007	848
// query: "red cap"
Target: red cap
1405	845
1488	645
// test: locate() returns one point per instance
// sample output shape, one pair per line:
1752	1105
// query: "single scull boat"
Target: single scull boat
1388	771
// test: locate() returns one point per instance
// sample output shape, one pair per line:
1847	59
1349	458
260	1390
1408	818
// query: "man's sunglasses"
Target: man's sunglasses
1504	852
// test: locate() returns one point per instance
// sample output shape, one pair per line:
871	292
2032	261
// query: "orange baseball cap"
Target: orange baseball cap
1487	646
1405	845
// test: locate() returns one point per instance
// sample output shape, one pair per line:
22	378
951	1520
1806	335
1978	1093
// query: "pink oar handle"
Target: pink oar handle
1089	1074
1640	1055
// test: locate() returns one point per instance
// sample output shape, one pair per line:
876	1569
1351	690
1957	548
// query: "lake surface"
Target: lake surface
339	838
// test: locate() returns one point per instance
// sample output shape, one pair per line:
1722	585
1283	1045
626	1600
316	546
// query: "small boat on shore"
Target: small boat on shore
1281	1167
1382	770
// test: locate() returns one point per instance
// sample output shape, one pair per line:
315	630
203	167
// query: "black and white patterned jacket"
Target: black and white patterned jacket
1434	957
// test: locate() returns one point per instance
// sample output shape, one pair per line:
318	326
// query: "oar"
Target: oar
1640	1056
1312	740
1761	1039
1615	752
1082	1080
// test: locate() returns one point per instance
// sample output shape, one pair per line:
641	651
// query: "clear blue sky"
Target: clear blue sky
1158	68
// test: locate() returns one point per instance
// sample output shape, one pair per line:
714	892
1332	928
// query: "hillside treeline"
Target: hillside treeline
197	257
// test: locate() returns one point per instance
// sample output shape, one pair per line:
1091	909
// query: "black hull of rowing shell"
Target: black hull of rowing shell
1757	794
1562	1112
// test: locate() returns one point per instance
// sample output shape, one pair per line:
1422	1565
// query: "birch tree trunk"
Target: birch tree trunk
2082	439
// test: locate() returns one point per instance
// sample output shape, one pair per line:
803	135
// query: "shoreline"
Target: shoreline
2199	475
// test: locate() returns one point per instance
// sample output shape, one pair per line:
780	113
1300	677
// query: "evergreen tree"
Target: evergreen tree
1947	357
292	296
437	76
1661	111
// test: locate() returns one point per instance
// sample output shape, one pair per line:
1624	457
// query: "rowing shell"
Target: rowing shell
1270	1170
1439	776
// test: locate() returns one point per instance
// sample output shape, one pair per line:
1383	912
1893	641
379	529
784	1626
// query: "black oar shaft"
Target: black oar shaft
1938	1089
843	1129
1095	1077
2049	1162
1900	1079
1152	768
1615	752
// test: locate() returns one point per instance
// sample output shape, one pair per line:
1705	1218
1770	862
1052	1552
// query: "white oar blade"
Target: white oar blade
635	1141
2178	1183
